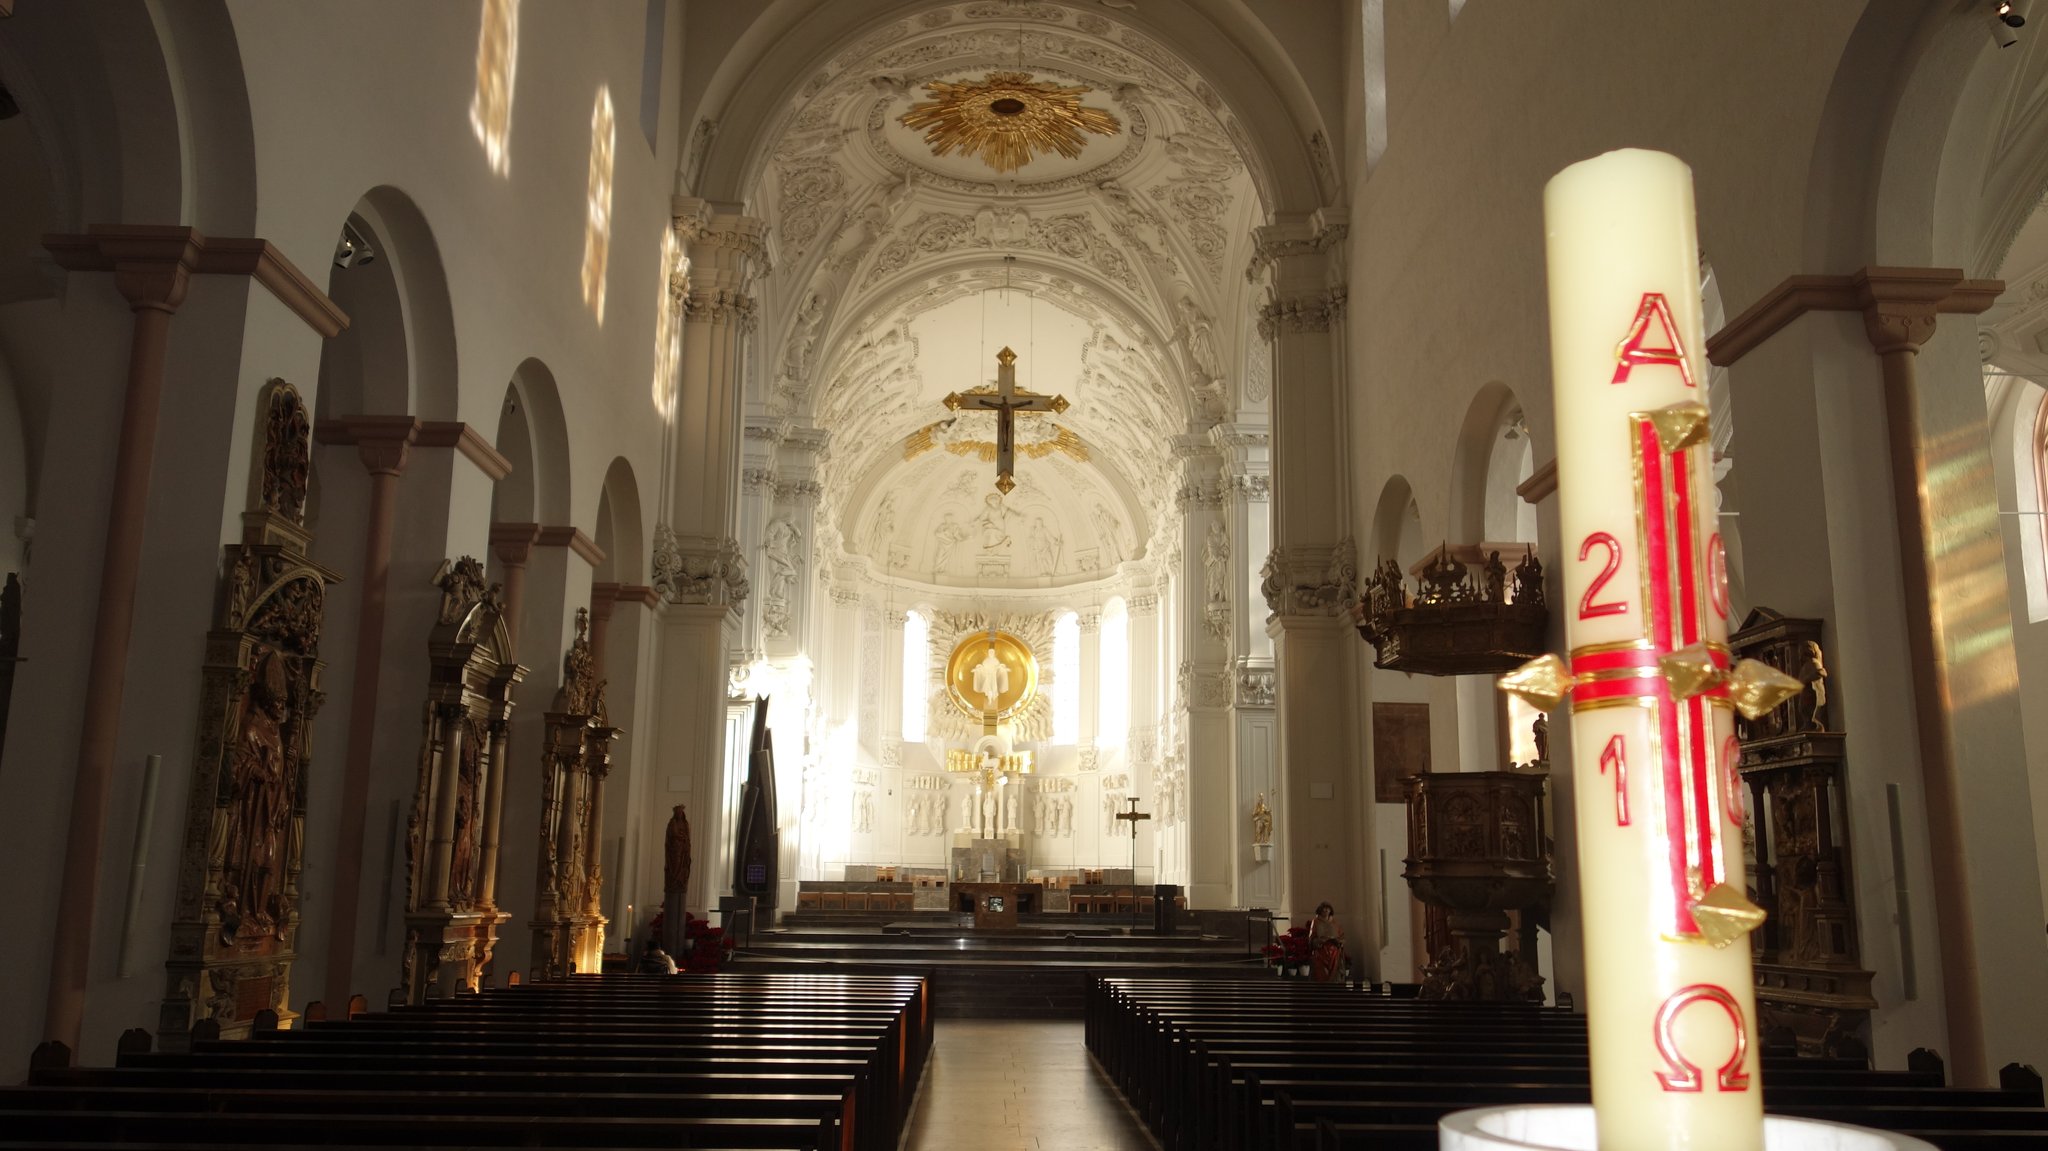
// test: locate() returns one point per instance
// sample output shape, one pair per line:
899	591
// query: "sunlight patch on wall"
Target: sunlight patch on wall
497	56
597	225
673	265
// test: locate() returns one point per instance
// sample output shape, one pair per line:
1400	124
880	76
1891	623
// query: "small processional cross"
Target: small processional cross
1134	815
1005	401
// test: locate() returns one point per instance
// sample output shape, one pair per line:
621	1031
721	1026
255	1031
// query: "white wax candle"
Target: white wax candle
1659	802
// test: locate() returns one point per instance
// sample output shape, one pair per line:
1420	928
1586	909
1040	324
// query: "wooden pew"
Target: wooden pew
1248	1064
801	1062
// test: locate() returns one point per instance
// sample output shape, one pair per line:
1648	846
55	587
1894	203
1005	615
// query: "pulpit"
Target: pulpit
1478	849
997	904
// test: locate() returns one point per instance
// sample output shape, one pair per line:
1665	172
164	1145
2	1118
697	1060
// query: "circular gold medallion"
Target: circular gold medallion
991	674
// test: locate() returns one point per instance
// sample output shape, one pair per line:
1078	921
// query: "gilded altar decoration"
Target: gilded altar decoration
568	918
454	831
1468	612
1007	117
991	675
1034	440
1811	989
234	930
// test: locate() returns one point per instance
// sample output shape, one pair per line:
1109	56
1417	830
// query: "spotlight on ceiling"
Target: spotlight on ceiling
2007	18
353	251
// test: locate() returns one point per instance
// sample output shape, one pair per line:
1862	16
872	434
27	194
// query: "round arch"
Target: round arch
620	526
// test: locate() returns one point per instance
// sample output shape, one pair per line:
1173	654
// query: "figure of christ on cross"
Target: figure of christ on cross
1005	401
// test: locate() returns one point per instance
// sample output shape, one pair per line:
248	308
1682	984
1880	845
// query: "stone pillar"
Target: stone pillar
151	275
1325	842
512	546
602	598
697	566
1247	504
383	444
1972	756
1207	601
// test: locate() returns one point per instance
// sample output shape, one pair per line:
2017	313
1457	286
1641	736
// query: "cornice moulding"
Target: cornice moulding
104	247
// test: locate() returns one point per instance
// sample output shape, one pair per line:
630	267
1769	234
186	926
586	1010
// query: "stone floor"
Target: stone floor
999	1085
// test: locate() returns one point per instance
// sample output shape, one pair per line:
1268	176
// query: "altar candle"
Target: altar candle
1670	1002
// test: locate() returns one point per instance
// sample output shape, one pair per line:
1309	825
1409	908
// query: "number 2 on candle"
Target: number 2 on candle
1587	608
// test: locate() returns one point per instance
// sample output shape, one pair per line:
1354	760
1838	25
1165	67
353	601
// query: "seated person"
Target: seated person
655	961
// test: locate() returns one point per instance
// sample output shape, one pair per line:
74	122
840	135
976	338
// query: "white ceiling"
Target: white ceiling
1126	289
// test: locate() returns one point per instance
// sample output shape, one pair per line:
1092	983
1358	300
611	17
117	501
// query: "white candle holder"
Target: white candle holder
1570	1128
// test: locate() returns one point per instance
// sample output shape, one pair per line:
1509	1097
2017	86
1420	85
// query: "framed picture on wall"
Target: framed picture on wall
1400	747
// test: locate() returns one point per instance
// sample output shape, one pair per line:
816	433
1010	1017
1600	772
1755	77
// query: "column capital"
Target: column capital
1289	238
1312	311
153	264
383	443
1899	307
571	537
513	543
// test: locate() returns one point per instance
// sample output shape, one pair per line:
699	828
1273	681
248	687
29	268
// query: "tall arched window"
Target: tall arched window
916	668
597	224
497	55
1066	679
1114	726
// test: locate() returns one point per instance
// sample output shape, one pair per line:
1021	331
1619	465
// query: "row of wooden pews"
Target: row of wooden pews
1221	1066
821	1062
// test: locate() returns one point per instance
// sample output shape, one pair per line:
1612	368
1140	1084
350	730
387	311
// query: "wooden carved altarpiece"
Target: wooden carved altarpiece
568	919
452	836
234	929
1811	988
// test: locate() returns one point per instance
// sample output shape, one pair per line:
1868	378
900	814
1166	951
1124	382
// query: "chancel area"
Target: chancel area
1322	562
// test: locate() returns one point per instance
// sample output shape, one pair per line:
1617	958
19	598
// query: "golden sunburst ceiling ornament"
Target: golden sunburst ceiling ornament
1006	117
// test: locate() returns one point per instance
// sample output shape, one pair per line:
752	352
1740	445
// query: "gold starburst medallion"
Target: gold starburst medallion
1005	118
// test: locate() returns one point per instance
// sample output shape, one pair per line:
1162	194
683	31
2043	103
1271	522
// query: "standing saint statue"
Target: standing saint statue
675	878
1262	821
995	535
252	879
1813	671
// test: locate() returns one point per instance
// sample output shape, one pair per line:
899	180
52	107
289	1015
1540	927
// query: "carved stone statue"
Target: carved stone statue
1262	821
995	536
783	546
462	587
1541	731
1496	579
252	876
946	538
1813	672
1216	563
675	877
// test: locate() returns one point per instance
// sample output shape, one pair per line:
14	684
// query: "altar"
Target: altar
998	904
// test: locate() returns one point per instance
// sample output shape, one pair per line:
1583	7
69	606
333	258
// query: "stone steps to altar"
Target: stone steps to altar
1038	971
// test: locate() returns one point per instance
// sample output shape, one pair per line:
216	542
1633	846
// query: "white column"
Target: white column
1206	602
1321	831
1254	735
698	567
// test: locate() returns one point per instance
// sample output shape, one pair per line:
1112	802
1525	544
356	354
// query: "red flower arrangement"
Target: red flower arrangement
706	948
1291	951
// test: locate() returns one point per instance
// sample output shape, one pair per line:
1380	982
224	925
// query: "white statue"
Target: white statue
1066	812
947	535
1038	814
1201	341
994	535
988	813
1216	563
1045	544
784	546
991	680
883	528
1112	544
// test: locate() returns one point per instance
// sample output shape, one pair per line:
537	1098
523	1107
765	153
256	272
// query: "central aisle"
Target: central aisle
998	1085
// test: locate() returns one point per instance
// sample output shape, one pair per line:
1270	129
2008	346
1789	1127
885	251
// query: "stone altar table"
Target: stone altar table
997	904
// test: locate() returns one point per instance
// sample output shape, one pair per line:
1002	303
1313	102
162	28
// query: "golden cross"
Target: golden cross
1005	401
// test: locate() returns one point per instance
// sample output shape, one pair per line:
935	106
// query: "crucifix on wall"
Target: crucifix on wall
1005	400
